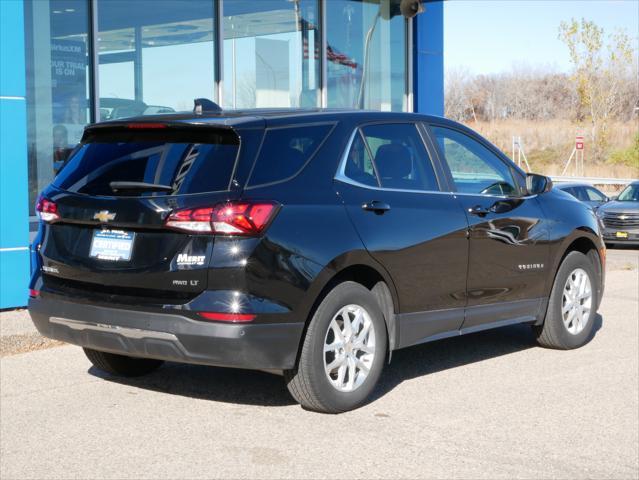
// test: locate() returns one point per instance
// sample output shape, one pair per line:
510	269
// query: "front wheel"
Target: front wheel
572	307
343	352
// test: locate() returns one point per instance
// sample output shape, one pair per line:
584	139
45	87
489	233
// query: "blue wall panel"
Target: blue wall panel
14	198
14	278
12	73
428	57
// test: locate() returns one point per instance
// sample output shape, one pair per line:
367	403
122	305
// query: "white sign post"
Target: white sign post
578	155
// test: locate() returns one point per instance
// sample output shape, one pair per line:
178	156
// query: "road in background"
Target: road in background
488	405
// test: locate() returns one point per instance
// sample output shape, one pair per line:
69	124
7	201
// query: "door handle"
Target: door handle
479	211
376	206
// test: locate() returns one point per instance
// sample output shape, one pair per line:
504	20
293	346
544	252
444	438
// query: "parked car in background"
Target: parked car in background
588	194
156	110
311	243
620	217
114	108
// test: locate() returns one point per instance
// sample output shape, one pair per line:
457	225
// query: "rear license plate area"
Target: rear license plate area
112	245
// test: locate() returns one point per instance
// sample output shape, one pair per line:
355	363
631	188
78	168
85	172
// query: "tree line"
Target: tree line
602	86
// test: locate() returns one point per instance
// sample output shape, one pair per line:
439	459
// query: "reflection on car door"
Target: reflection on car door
508	256
390	189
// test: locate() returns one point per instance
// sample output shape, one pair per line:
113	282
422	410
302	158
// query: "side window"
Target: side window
359	164
581	194
399	156
571	191
474	168
594	195
285	151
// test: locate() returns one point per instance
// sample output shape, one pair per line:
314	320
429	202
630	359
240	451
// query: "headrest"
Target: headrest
393	161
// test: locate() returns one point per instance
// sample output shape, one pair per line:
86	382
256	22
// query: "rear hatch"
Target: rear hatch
112	200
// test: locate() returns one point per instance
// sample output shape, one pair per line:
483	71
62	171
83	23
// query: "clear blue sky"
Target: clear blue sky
490	36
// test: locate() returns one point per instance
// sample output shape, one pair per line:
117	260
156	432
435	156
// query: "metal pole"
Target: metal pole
94	63
367	42
219	51
137	65
323	59
574	150
410	106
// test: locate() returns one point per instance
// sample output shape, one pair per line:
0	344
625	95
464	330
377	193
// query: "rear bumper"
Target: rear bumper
168	336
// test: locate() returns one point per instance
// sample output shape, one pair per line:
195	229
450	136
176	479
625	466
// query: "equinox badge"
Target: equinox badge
104	216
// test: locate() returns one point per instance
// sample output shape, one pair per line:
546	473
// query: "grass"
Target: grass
548	145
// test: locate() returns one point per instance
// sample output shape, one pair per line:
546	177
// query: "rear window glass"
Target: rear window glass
186	162
285	151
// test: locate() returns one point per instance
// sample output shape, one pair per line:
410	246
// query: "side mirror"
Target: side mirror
538	184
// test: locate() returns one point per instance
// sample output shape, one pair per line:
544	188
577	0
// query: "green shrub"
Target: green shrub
628	156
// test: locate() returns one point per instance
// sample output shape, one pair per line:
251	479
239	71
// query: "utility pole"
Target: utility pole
519	156
578	154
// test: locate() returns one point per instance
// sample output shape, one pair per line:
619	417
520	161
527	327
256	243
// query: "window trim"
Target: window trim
341	176
248	185
370	155
516	173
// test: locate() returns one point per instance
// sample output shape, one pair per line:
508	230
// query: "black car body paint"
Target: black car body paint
449	269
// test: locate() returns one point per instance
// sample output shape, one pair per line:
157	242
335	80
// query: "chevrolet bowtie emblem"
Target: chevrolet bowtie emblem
623	217
104	216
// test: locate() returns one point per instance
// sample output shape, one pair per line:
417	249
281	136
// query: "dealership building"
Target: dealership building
67	63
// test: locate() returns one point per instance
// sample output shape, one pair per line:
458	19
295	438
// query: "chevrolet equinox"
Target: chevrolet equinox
309	243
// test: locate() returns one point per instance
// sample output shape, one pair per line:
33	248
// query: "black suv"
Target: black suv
307	243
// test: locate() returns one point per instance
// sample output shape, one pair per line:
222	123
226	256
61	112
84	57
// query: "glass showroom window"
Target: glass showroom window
154	56
271	53
366	54
56	41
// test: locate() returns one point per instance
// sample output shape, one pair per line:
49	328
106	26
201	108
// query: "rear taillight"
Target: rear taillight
34	293
227	317
231	218
47	210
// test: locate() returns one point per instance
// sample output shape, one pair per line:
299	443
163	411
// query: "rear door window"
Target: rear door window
581	194
187	162
286	151
570	190
399	156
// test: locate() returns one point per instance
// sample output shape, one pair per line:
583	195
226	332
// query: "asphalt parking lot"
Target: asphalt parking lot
488	405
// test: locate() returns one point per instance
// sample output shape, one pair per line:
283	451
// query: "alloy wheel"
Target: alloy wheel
576	301
349	348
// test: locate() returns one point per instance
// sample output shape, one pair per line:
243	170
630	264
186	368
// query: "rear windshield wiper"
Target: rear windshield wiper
140	186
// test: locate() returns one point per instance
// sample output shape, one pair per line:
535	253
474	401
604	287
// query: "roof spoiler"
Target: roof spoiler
202	105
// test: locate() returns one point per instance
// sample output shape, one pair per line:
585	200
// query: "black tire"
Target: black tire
122	365
308	382
554	333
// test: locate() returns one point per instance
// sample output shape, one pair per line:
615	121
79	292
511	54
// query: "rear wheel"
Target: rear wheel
122	365
343	352
572	306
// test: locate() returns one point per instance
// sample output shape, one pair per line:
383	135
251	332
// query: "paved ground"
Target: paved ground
490	405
